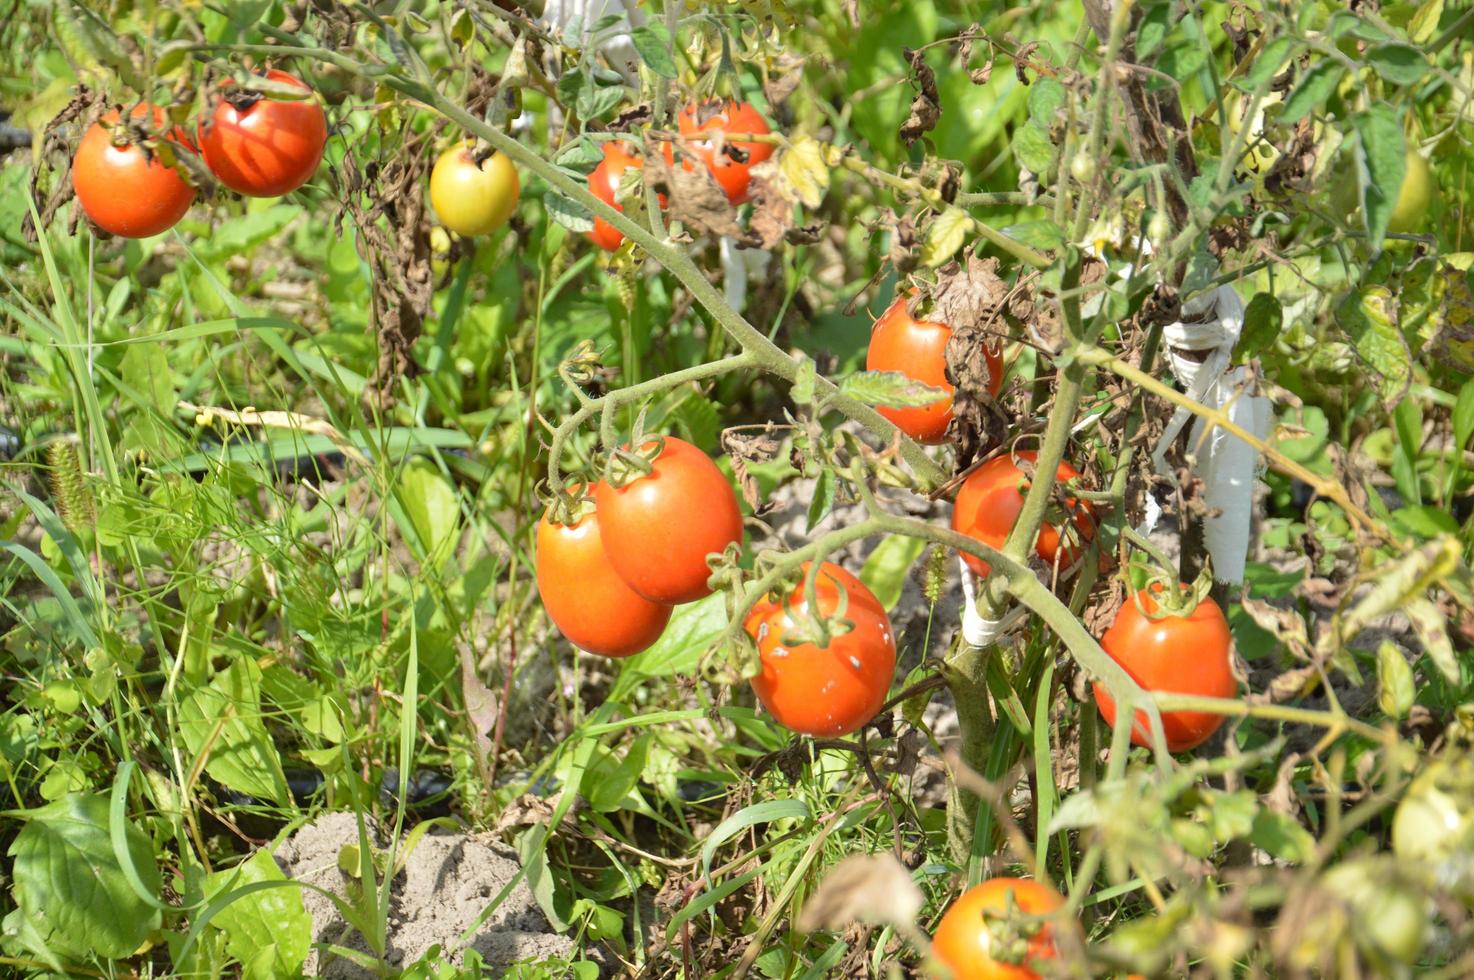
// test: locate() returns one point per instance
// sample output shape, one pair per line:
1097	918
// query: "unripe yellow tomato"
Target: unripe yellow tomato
472	200
1414	197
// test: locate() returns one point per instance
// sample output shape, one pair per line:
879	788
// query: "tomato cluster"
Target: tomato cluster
259	147
609	575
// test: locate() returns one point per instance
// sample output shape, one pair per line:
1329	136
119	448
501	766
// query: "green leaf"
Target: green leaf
68	882
269	931
1464	415
652	41
886	568
1312	91
432	506
1046	97
606	787
1424	23
1032	149
1282	836
242	756
1400	64
1264	318
802	391
568	213
692	629
1268	64
822	500
768	811
1424	521
1394	681
891	389
1432	630
1381	163
579	152
1040	234
1364	317
944	236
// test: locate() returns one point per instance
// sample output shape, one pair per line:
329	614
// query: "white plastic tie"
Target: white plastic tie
976	630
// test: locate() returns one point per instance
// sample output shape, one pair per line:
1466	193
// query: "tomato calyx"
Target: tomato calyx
808	625
626	465
569	504
1171	598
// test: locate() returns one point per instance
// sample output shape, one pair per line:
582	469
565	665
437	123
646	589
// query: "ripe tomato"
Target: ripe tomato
1414	197
832	690
659	527
604	184
472	200
127	190
918	349
991	498
585	597
732	167
975	930
263	147
1180	654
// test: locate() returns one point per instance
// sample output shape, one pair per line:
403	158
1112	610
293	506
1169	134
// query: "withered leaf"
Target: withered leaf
926	108
875	889
696	199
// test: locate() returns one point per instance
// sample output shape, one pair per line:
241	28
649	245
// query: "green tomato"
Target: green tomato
1414	197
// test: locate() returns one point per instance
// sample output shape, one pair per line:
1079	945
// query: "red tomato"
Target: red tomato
991	498
604	184
659	527
918	349
832	690
585	597
976	927
1181	654
732	167
127	190
264	147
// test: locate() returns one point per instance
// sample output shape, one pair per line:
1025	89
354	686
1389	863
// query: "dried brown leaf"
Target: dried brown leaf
875	889
926	108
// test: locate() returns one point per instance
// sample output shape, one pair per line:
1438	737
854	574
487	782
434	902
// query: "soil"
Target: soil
448	879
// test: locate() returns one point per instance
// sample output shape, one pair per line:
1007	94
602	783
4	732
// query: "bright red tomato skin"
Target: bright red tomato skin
965	943
268	149
918	349
126	190
990	500
733	172
1182	655
604	184
585	597
824	691
659	528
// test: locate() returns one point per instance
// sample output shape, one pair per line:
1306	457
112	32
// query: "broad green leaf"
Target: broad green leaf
432	505
822	500
69	885
1263	320
1046	97
1268	64
1381	160
1395	691
803	165
886	567
242	755
652	41
1400	64
944	236
1365	318
606	787
1312	91
693	628
269	931
1282	836
568	213
891	389
1424	23
1040	234
1032	149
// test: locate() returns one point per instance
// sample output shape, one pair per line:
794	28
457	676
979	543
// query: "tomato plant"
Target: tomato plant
472	198
989	502
704	127
264	147
660	526
827	689
1164	650
583	594
918	349
124	187
994	930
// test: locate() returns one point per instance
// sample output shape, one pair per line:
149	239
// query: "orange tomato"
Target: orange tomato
702	127
604	184
970	935
1181	654
127	190
918	349
660	527
830	690
265	147
990	500
585	597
